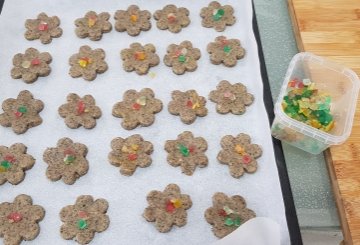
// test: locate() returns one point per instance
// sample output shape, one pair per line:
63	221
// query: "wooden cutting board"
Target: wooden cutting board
331	28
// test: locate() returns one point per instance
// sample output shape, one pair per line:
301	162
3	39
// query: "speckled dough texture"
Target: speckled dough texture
133	20
80	111
66	161
187	152
44	28
83	219
188	105
137	108
224	213
19	221
139	58
14	162
130	153
212	18
31	65
239	154
182	57
231	98
172	18
226	51
167	208
21	113
87	63
93	25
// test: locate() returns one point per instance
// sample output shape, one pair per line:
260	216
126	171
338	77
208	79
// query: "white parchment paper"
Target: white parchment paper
127	195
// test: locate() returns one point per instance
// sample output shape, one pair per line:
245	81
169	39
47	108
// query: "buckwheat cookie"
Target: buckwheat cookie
66	161
172	18
31	65
88	63
130	153
83	219
14	162
21	113
133	20
167	208
19	220
226	51
231	98
182	57
44	28
137	108
139	58
217	16
188	105
80	111
227	214
93	25
239	154
187	152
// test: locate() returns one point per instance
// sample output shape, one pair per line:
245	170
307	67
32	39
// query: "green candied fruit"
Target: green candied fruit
287	99
307	93
81	224
229	222
184	150
237	221
326	119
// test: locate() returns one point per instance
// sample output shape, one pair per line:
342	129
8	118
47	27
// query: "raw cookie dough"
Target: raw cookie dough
239	154
133	20
182	57
226	51
187	152
44	28
31	65
14	162
66	161
80	111
172	18
93	25
167	208
83	219
137	108
217	16
130	153
21	113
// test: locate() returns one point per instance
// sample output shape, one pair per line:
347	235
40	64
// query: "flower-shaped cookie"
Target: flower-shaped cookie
172	18
88	63
133	20
21	113
80	111
188	105
19	221
139	58
239	154
182	57
83	219
130	153
66	161
13	163
227	214
31	65
187	152
231	98
217	16
226	51
93	25
137	108
167	208
44	28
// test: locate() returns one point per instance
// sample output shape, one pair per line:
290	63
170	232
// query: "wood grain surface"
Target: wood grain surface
331	28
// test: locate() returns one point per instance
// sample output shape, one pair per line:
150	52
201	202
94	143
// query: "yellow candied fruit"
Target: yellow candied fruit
239	149
176	202
135	147
83	62
133	18
305	111
315	123
196	105
329	126
2	169
125	149
140	55
91	21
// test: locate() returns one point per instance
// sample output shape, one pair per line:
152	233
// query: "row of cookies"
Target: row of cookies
133	21
88	62
67	161
137	108
20	219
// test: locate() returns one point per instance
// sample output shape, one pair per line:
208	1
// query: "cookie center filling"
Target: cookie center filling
4	166
80	107
91	21
131	150
14	217
231	217
35	62
171	17
218	14
246	159
21	110
140	102
133	18
82	224
82	214
43	26
139	55
84	61
185	151
69	156
229	95
26	64
227	49
192	105
173	204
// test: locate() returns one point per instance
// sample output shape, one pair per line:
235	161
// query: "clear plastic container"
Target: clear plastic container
341	83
